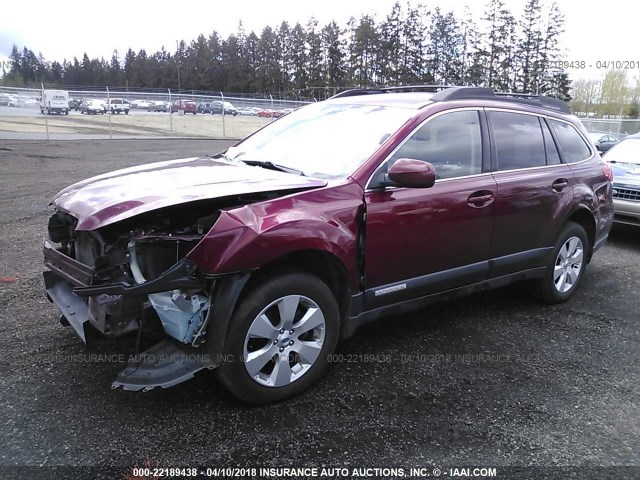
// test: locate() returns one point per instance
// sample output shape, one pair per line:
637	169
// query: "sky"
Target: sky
68	28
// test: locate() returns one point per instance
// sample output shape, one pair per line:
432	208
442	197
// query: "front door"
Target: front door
425	240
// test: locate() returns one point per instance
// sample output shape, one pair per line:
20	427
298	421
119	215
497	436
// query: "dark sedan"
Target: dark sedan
603	141
223	107
75	103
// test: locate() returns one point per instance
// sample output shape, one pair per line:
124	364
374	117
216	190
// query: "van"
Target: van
55	101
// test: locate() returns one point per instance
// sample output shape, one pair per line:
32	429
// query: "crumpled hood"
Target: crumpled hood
626	174
115	196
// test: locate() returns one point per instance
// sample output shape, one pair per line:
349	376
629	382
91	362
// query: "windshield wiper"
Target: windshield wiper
273	166
222	155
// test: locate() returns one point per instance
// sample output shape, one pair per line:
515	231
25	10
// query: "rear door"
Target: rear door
534	190
425	240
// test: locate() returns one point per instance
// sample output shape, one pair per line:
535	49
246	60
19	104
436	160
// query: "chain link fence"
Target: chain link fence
216	114
619	127
149	115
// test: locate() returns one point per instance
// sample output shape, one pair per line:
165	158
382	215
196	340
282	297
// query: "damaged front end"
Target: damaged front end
132	282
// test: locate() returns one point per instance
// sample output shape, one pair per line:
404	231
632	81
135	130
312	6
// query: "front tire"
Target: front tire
280	337
566	265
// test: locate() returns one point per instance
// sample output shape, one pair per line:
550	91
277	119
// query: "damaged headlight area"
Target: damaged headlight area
131	281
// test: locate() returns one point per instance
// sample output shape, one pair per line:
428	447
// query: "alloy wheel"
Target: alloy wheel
284	341
568	265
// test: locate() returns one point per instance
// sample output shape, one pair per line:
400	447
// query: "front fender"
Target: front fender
254	235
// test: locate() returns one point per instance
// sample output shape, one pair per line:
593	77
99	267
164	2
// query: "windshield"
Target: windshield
326	140
627	151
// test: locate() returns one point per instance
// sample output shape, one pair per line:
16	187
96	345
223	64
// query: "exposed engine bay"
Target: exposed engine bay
131	279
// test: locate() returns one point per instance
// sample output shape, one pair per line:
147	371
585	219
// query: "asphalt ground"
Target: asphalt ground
495	380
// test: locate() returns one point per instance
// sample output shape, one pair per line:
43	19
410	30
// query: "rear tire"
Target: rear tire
279	339
565	267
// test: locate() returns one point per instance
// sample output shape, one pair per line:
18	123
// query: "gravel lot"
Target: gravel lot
493	380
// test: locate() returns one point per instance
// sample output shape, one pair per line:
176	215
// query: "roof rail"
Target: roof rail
357	91
448	92
469	93
399	88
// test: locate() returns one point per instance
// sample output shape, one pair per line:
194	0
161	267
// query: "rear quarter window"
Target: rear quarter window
572	145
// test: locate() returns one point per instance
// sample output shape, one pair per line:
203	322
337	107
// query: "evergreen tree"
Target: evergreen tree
528	55
498	46
388	59
286	62
412	49
299	78
549	80
410	45
364	49
444	50
334	66
474	70
315	63
269	76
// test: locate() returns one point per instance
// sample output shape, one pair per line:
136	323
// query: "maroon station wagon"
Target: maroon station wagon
256	261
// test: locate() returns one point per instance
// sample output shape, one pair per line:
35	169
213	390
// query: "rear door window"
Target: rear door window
572	145
518	141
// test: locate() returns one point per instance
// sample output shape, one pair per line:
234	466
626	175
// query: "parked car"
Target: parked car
102	103
158	106
603	141
223	107
74	103
257	260
204	107
92	107
624	158
119	105
142	104
186	105
248	110
266	113
8	100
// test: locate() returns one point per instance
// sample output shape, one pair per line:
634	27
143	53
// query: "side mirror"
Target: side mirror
407	172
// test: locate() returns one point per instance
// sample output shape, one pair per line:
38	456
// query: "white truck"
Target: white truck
54	101
119	105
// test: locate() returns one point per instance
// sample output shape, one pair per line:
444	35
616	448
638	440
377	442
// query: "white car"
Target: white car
141	104
92	107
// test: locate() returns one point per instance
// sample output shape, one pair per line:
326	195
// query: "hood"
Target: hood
626	174
115	196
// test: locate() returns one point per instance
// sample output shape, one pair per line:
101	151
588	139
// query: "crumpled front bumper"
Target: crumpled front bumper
64	274
75	311
68	283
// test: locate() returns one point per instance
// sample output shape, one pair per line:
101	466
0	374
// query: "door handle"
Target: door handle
482	198
560	184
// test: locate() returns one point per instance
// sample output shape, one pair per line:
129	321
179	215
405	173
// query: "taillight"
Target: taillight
606	169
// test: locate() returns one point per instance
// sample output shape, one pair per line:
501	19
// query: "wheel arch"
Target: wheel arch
230	291
583	217
319	263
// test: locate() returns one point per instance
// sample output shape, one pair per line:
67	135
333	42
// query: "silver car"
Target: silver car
624	158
